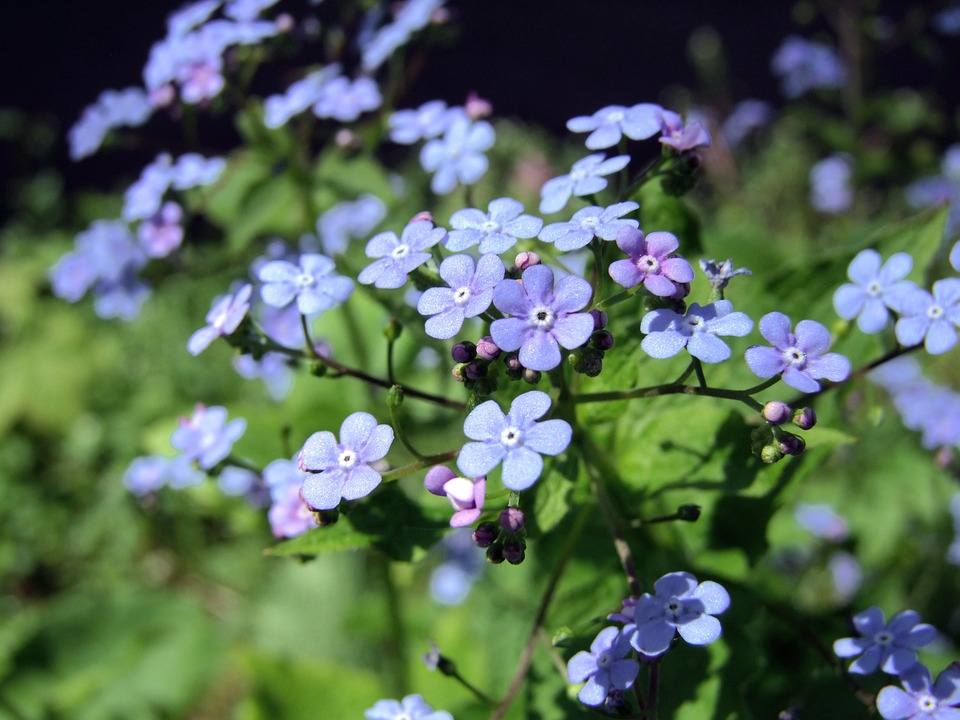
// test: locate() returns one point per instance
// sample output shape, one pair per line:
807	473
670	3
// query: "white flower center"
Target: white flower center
927	703
693	325
348	459
511	437
616	116
542	318
577	175
590	223
874	289
461	296
934	312
648	264
490	226
400	251
795	357
303	280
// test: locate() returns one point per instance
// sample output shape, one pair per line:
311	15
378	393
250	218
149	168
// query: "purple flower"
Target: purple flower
104	255
345	101
588	223
799	355
682	137
830	190
931	318
668	332
313	284
496	231
412	707
874	289
428	121
206	436
465	495
515	438
721	274
822	521
343	468
543	319
923	699
606	667
348	220
289	515
846	574
651	262
162	233
804	65
890	647
940	190
224	317
458	156
397	257
469	293
607	125
679	605
585	178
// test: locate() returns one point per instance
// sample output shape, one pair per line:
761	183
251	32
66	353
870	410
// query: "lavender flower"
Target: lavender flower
585	178
682	137
931	318
874	289
679	605
922	699
941	189
495	231
465	495
224	317
651	262
349	220
606	667
428	121
193	170
104	255
236	481
515	438
162	233
114	108
206	436
313	284
799	355
469	293
588	223
822	521
458	157
542	319
607	125
148	474
345	101
273	368
955	256
397	257
300	95
830	190
412	707
668	332
890	647
289	515
343	468
846	574
463	563
804	65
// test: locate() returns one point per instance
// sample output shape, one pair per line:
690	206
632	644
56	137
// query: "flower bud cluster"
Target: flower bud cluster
504	539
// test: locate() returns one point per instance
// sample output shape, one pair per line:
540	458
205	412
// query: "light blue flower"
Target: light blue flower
584	178
412	707
313	284
349	220
830	190
890	647
458	156
875	289
931	318
606	667
587	223
607	125
468	293
206	436
668	332
395	257
496	231
804	65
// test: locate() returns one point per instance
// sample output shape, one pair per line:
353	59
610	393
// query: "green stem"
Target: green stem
390	374
698	369
394	650
404	470
673	389
400	431
653	691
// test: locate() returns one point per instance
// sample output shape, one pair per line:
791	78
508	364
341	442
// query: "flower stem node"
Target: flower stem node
395	397
392	330
485	534
776	412
805	418
318	368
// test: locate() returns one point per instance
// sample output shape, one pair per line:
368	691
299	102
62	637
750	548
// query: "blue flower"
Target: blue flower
347	220
679	605
804	65
300	95
606	667
345	101
458	157
923	699
890	647
542	318
469	293
143	198
206	436
114	108
746	117
289	515
224	317
398	256
584	178
452	580
930	318
822	521
799	356
161	234
941	190
607	125
668	332
342	469
830	190
412	707
495	231
516	439
874	289
313	284
587	223
192	170
273	368
428	121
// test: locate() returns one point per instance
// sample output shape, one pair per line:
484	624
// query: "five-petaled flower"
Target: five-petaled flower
206	436
606	667
875	289
585	178
224	317
412	707
890	647
679	605
931	318
668	332
398	256
313	284
458	155
922	698
651	262
800	356
342	469
587	223
543	319
608	125
469	293
496	231
515	438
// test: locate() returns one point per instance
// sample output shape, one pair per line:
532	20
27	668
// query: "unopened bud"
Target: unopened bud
603	340
475	370
485	534
512	361
285	22
531	377
392	330
463	352
346	139
459	372
805	418
395	397
791	444
318	368
513	552
511	519
477	107
771	453
424	215
487	349
495	554
526	259
599	319
776	412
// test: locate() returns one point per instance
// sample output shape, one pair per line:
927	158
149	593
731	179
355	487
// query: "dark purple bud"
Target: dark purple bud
791	444
599	319
463	352
511	519
805	418
475	370
603	340
512	361
513	551
487	349
495	554
485	534
776	412
531	376
526	259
